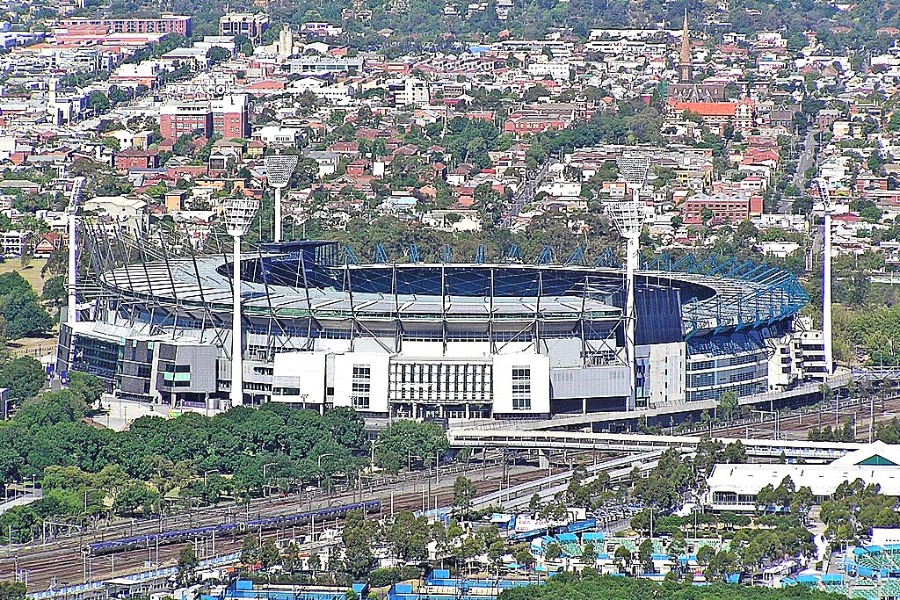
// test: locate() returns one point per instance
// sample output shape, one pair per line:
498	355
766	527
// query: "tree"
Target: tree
553	551
217	54
645	555
23	376
589	553
735	453
463	492
12	590
269	555
187	564
98	101
54	290
534	93
729	406
250	549
314	562
359	536
409	443
704	555
85	387
622	557
24	316
137	498
13	282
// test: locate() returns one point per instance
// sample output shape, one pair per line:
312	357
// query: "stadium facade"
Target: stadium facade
428	340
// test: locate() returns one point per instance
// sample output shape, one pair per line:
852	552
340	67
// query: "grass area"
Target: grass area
31	273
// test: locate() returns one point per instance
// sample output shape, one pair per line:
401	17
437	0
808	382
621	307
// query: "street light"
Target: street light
239	214
86	496
206	474
319	468
264	467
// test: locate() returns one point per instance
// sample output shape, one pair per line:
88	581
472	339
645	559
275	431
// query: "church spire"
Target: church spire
685	70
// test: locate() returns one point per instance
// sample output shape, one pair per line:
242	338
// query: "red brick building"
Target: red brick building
523	123
231	116
136	159
721	208
537	118
182	118
178	24
228	116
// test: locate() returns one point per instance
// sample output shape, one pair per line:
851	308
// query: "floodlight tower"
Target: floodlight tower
629	217
279	169
239	213
822	184
71	213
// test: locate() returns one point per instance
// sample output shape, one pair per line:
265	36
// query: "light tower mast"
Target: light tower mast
629	218
822	184
239	213
71	213
279	168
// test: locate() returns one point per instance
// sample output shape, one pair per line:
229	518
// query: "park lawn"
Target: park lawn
31	273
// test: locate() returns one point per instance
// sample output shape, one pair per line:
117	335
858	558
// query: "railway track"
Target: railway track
797	426
63	563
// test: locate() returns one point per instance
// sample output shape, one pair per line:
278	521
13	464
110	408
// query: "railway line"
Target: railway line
865	415
64	563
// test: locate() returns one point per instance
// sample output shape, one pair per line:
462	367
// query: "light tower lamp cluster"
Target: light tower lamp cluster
628	216
279	168
239	214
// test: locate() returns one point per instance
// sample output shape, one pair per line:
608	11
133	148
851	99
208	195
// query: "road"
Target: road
525	195
804	161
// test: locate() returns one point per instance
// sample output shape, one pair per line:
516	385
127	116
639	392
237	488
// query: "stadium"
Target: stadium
442	339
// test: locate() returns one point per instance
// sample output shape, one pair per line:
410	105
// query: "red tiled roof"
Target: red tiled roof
708	109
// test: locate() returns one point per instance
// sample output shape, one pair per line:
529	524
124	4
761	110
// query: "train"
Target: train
228	529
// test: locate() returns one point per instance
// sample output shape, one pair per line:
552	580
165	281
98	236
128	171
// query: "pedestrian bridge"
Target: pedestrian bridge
636	443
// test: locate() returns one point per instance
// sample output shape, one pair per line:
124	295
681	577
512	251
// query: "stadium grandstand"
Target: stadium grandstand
429	337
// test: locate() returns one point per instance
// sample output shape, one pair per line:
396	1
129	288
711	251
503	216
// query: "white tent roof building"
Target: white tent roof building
734	487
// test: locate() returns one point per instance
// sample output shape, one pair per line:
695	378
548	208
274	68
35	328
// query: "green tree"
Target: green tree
217	54
86	388
13	282
12	590
24	316
250	549
409	443
645	555
54	290
269	555
463	492
729	406
98	102
553	551
187	564
23	376
589	553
